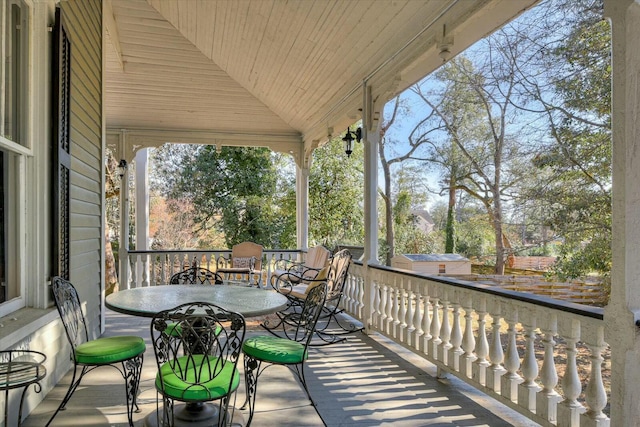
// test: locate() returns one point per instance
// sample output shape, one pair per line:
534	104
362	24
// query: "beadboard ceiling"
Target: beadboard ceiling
276	73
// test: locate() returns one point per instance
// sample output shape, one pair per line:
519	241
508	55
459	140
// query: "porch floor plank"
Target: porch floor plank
365	381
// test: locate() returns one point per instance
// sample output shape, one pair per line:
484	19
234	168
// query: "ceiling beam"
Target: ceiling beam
112	29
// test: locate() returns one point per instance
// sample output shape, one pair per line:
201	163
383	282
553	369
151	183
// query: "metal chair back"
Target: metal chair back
70	310
196	276
308	318
204	346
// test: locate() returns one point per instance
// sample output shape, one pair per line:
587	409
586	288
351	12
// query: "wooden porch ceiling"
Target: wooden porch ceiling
274	73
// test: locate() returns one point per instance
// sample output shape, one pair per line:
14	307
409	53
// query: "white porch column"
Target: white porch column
302	207
142	212
370	139
123	251
624	305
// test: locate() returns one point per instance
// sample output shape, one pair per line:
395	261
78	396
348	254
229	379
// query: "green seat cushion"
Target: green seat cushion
103	351
174	330
181	385
274	349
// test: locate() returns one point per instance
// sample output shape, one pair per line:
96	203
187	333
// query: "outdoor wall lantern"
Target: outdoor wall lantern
348	139
122	168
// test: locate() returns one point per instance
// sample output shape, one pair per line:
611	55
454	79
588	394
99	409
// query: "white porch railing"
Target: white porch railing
521	349
474	331
153	268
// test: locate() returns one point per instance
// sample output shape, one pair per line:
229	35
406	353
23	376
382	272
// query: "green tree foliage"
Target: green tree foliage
234	191
409	238
573	192
478	151
336	204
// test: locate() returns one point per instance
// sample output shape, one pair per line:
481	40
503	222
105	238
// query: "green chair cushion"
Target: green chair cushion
274	349
103	351
185	390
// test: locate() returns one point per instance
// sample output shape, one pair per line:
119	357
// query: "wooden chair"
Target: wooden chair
263	351
245	260
196	276
197	363
315	260
126	351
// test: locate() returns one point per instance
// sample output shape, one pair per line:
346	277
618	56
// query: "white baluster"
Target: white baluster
411	329
468	342
403	300
419	313
390	307
408	336
395	326
445	332
426	325
548	398
511	379
153	269
595	393
496	354
528	389
456	339
363	303
482	349
382	305
376	313
569	409
435	328
162	269
132	269
145	265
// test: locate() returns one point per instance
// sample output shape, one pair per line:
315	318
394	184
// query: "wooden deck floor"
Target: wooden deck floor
365	381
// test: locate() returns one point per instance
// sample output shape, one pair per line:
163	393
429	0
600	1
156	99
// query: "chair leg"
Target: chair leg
131	371
251	373
299	370
167	412
72	388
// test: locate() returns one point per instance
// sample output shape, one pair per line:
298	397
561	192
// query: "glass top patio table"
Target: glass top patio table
148	301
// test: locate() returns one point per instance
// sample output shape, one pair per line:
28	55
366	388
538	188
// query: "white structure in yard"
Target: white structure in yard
433	263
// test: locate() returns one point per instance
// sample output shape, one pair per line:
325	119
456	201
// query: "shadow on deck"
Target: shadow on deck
365	381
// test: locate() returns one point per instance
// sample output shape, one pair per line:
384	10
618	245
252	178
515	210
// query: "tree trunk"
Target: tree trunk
450	243
497	227
110	275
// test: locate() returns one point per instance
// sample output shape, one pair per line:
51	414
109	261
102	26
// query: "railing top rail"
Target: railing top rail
540	300
188	251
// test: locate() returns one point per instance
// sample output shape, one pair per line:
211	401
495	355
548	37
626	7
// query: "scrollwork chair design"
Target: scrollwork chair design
124	352
263	351
197	362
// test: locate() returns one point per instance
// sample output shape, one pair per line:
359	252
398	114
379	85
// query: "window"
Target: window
14	44
442	268
14	70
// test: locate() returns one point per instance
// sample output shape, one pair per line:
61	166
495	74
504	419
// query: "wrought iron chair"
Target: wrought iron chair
315	260
245	260
263	351
336	277
198	364
90	354
196	275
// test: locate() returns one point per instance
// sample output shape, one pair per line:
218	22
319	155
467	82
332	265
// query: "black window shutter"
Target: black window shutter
62	148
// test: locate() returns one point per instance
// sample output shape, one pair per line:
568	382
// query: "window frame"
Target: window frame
15	159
